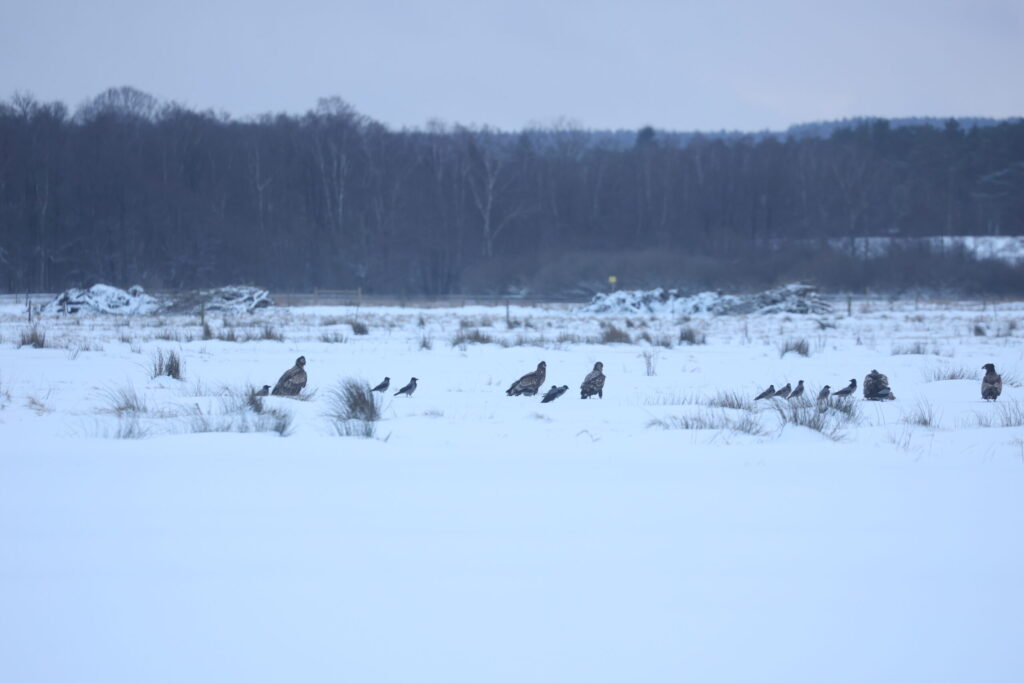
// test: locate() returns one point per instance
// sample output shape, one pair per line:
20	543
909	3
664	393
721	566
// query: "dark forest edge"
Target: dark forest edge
128	190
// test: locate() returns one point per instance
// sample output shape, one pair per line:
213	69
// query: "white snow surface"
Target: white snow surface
485	538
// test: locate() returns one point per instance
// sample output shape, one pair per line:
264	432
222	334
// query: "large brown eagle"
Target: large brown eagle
593	383
876	387
293	380
530	383
992	384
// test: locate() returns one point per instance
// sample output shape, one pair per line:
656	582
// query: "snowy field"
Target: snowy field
155	529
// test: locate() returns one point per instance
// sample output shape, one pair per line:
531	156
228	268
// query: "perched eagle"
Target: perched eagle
876	387
847	390
784	391
383	386
293	380
530	383
798	392
992	385
593	383
554	392
408	388
823	394
767	393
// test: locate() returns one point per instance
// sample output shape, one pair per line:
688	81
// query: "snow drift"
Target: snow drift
134	301
795	298
104	299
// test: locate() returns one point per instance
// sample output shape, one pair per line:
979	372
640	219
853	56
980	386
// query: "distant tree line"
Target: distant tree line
129	190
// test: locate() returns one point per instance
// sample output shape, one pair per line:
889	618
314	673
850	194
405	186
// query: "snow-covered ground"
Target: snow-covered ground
484	538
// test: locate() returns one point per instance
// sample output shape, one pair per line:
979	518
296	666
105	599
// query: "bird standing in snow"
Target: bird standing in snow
847	390
530	383
408	388
265	391
767	393
593	383
784	391
798	392
876	387
823	394
293	380
554	392
992	384
383	386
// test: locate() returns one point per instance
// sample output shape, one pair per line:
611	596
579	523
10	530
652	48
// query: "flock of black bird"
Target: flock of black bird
876	388
876	385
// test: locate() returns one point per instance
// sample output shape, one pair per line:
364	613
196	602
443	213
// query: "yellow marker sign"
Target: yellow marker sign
612	279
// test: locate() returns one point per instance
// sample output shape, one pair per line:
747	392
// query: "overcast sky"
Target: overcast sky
676	65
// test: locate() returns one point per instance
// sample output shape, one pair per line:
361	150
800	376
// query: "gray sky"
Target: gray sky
677	65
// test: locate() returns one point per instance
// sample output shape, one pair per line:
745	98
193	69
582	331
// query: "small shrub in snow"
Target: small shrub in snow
34	336
979	330
719	421
426	343
472	336
798	346
610	334
1008	414
353	400
358	328
829	420
333	338
941	374
129	428
916	349
730	399
922	415
692	336
650	363
270	333
169	365
125	401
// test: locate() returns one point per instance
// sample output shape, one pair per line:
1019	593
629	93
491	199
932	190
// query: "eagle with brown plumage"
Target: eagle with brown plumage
293	380
991	384
593	383
530	383
876	387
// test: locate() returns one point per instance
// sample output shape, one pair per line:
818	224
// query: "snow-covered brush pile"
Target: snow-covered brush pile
104	299
235	300
795	298
107	299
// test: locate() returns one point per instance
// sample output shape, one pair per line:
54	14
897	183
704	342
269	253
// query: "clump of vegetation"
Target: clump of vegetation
829	420
1008	414
660	340
915	349
34	336
711	420
610	334
692	336
730	399
943	373
922	415
358	328
979	330
125	401
270	333
650	363
426	343
333	338
170	365
471	336
354	409
798	346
